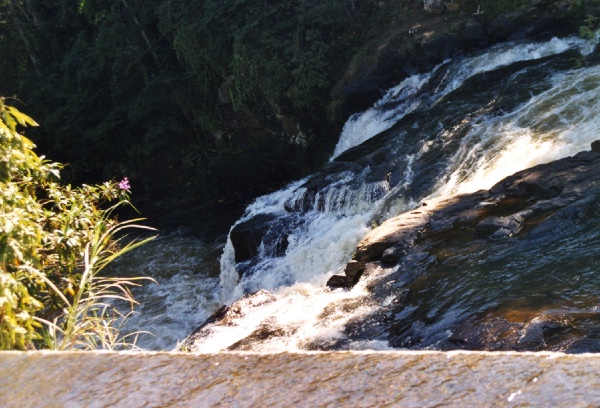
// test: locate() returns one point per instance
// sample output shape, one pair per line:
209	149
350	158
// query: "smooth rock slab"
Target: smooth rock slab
356	379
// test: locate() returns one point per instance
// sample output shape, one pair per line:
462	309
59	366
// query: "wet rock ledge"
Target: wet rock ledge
535	201
357	379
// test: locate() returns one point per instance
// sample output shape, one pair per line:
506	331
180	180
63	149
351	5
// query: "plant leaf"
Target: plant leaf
23	119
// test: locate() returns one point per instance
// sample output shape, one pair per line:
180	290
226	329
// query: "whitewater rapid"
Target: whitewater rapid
556	123
405	97
294	307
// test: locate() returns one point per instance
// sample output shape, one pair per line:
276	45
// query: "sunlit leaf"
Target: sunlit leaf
23	119
10	122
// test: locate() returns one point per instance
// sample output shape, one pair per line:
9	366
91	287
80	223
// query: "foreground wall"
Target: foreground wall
357	379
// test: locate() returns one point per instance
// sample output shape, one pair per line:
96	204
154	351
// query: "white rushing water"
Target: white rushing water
405	97
296	308
313	246
183	295
557	123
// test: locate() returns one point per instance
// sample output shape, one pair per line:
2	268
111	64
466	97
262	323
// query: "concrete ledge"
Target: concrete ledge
356	379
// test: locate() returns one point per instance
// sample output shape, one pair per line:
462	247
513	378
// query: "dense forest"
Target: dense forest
215	98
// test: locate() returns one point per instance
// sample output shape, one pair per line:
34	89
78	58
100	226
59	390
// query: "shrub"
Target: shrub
54	239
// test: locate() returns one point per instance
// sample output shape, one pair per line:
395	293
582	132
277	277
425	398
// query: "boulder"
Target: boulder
400	231
337	281
247	236
353	271
499	227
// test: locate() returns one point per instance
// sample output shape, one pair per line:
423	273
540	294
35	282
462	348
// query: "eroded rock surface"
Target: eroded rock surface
521	203
510	268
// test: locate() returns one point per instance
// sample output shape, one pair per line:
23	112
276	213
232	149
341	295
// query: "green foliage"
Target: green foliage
138	86
270	49
589	29
185	92
89	321
194	92
53	241
17	327
20	229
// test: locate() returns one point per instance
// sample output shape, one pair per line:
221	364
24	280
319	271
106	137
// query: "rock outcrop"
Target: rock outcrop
509	268
525	203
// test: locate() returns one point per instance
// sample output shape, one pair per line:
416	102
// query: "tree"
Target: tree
221	97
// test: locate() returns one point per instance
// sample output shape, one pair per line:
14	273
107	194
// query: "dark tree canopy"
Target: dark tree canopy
213	97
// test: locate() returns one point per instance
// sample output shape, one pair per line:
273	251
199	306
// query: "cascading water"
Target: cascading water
184	293
462	127
451	131
408	96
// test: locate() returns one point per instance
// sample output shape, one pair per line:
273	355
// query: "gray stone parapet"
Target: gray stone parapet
312	379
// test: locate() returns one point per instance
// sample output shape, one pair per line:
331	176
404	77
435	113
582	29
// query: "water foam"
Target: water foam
186	277
298	317
406	97
363	126
559	122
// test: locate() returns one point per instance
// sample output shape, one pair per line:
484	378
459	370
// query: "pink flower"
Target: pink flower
124	184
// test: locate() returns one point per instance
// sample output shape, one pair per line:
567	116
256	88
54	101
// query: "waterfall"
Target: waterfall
412	93
461	127
556	123
457	152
